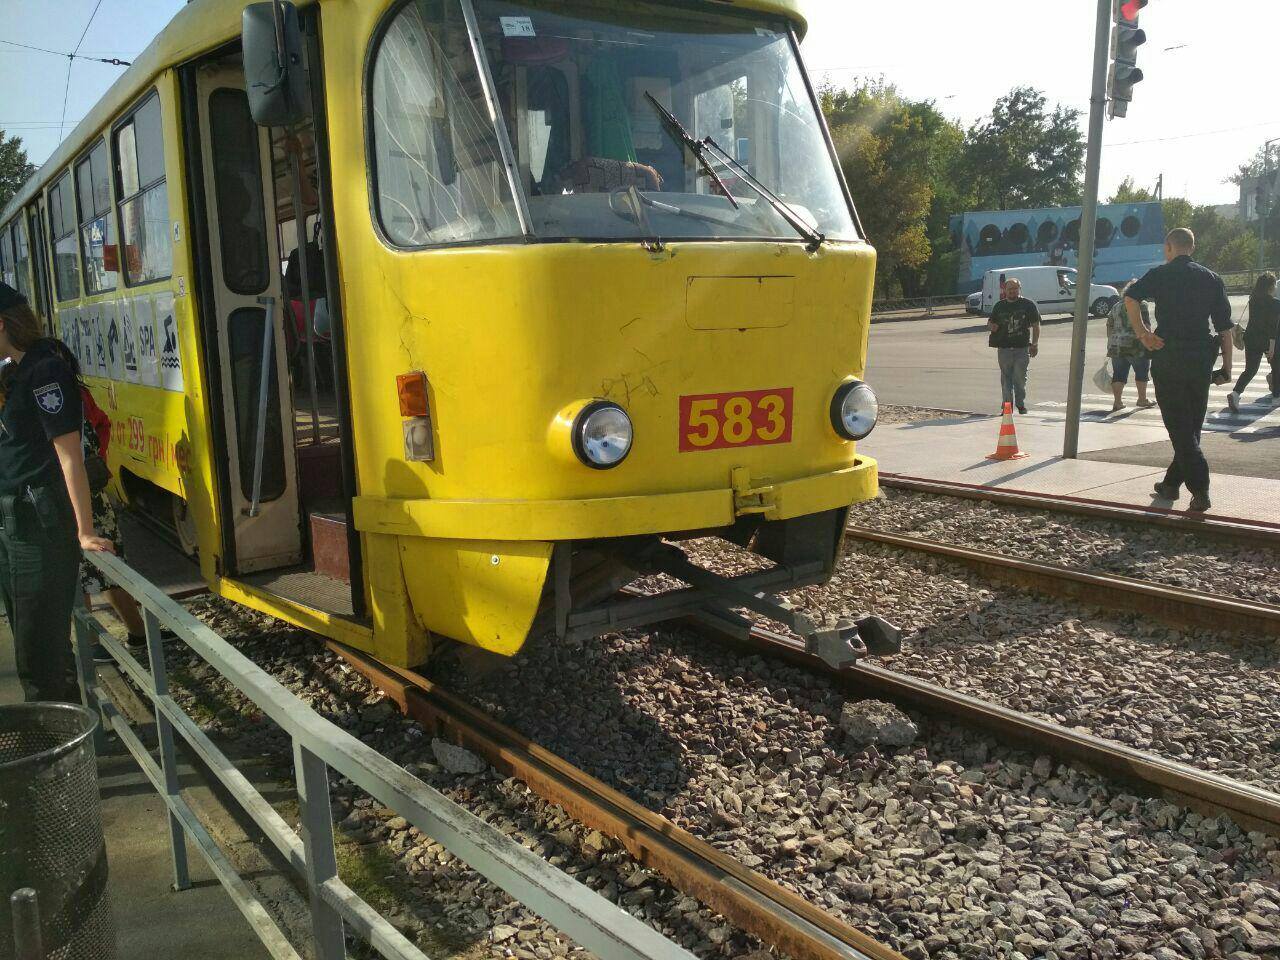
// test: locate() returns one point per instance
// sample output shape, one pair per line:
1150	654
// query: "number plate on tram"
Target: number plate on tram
748	418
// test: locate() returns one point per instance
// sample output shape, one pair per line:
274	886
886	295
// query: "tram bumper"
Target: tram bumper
477	571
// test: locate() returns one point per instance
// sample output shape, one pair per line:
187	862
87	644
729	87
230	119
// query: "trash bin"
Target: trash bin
51	829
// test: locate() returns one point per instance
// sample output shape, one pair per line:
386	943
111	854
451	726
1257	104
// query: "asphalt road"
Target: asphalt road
946	363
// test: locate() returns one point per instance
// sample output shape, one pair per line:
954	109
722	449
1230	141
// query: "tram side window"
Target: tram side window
242	225
66	258
6	257
21	260
144	199
97	226
438	169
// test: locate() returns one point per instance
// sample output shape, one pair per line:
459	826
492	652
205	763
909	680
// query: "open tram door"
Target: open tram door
246	325
266	265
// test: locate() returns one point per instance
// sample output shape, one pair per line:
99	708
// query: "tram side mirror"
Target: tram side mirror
274	71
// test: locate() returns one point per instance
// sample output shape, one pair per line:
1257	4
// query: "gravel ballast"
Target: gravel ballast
1204	698
431	896
1081	543
953	846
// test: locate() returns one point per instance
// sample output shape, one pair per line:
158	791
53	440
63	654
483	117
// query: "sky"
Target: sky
1209	99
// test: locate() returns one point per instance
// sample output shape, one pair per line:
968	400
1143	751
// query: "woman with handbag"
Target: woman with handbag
1126	354
46	517
1259	338
95	437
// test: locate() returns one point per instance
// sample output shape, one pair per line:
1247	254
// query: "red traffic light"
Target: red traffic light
1129	9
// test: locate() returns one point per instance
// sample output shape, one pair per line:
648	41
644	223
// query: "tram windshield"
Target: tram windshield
587	90
575	81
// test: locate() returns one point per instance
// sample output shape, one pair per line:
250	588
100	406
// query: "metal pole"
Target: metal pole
25	910
168	757
264	383
1088	227
300	229
1262	217
316	816
86	669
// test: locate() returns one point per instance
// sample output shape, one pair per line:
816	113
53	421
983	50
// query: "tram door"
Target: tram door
250	316
40	265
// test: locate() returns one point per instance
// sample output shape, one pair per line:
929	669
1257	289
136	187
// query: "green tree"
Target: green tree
892	151
1024	154
15	169
1128	192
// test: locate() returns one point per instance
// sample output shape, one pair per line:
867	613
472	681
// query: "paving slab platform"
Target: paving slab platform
954	449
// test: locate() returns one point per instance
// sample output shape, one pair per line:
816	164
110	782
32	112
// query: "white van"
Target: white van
1051	289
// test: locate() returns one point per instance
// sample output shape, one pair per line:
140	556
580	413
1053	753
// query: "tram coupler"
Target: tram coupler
842	645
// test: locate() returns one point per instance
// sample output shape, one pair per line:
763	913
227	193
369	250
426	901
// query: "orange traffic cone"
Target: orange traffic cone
1007	445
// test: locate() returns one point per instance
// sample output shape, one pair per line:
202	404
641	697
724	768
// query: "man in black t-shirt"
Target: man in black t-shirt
1015	333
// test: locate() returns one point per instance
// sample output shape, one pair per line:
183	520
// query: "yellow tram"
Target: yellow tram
425	319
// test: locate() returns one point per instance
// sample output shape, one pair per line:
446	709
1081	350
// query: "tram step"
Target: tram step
329	545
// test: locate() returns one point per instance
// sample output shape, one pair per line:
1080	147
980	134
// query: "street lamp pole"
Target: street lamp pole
1262	217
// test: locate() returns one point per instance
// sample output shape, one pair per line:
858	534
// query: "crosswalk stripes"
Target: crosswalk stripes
1258	412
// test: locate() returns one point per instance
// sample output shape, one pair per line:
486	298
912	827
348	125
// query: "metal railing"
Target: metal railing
918	306
1242	281
318	747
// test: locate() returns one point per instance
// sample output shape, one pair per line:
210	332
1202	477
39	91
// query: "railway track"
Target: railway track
756	904
1179	606
1232	531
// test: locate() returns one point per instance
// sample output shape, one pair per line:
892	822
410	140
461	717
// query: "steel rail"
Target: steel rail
1259	533
1178	606
777	916
1254	808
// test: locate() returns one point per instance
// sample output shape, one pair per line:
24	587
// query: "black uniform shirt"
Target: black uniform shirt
1013	320
1264	322
41	401
1188	296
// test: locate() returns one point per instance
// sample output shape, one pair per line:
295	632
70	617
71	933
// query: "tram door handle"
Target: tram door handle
264	386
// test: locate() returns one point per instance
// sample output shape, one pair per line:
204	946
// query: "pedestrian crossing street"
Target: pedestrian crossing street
1259	413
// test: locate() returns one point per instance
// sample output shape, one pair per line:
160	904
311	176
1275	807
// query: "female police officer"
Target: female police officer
45	513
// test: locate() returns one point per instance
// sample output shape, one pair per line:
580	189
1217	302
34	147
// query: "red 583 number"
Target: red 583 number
748	418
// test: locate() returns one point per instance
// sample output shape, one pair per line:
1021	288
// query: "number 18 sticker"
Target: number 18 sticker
749	418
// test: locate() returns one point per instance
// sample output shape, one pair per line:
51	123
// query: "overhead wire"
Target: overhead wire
113	61
71	58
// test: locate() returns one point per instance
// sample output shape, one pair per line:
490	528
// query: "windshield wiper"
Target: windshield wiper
697	147
708	146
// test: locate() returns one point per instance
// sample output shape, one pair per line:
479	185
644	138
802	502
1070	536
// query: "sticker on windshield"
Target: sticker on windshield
517	26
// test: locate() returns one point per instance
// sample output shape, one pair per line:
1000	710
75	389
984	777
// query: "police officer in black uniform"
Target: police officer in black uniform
1189	298
45	513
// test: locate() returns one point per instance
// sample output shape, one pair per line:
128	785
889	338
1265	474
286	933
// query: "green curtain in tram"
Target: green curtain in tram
608	132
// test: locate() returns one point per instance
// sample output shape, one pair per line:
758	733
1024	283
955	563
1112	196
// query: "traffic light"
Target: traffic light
1126	38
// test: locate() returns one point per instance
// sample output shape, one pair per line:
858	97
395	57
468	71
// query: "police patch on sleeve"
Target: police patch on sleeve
49	397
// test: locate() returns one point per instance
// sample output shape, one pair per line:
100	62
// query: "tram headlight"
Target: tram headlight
602	435
854	410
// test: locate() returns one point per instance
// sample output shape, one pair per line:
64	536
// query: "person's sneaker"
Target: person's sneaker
1166	492
1117	406
1233	401
100	654
1199	503
1022	408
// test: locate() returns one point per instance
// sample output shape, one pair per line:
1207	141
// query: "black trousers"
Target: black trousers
1252	360
39	577
1182	375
